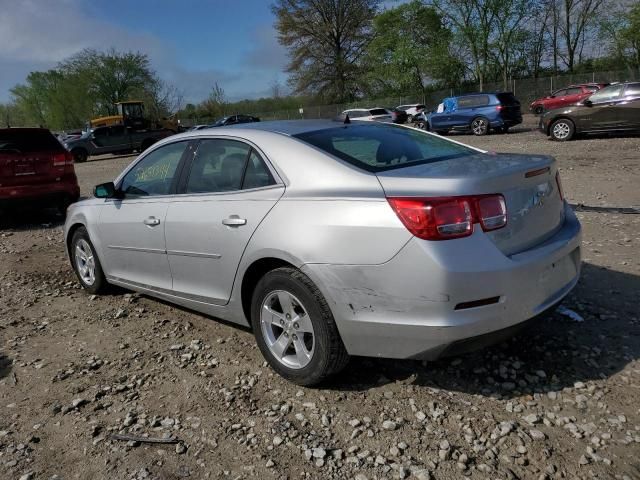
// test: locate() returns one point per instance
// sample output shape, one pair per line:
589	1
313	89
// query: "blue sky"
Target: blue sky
191	43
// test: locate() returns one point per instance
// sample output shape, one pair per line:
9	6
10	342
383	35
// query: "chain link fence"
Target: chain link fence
526	90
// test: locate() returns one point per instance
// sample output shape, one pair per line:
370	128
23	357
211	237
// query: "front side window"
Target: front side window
608	93
377	147
154	174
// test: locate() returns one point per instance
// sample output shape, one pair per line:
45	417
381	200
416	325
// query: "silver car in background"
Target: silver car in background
332	239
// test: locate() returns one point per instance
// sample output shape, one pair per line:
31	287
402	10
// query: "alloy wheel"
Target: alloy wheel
85	263
479	126
287	329
561	130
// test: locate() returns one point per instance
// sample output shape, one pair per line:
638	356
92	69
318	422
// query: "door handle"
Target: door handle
234	221
152	221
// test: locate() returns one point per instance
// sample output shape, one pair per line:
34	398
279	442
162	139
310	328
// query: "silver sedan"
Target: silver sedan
332	239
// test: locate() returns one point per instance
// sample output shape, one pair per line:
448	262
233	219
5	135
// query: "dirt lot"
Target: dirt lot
559	401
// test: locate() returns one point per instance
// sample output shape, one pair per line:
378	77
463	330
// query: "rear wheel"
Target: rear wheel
86	263
562	130
80	155
294	328
480	126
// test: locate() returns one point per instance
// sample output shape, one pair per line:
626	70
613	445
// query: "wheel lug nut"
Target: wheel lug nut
296	326
286	334
295	337
281	322
288	316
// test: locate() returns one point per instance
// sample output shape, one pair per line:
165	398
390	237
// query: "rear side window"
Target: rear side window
218	166
26	141
378	147
507	98
257	174
357	113
378	111
574	91
633	90
474	101
608	93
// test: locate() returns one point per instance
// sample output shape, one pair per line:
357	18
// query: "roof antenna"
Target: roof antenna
346	119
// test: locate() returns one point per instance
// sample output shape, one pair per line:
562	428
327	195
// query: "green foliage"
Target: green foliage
326	40
410	50
89	84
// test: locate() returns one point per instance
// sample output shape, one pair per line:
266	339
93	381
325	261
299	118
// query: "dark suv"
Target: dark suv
615	108
478	113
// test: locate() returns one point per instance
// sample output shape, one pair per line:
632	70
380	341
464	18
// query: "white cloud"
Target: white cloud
37	34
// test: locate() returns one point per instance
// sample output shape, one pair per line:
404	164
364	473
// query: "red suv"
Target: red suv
35	167
565	96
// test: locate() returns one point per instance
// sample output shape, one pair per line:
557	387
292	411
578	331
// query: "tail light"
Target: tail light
559	184
499	108
444	218
62	159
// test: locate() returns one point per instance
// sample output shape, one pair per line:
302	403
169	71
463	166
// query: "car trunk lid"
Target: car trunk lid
535	209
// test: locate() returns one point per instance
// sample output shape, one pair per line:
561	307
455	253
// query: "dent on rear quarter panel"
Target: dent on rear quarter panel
330	231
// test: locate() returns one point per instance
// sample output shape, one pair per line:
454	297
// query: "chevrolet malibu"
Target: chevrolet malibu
331	239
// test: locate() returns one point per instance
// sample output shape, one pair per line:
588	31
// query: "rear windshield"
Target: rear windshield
378	147
378	111
25	141
507	98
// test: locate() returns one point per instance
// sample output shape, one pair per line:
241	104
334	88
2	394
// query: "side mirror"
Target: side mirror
106	190
588	103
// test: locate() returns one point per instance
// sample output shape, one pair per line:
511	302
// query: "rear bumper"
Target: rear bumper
66	187
406	308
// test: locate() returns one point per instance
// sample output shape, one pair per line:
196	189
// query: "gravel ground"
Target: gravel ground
558	401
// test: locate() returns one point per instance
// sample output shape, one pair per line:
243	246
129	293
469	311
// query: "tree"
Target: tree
327	40
410	50
622	29
111	76
576	18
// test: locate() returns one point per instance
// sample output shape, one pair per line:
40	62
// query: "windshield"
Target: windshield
220	121
377	147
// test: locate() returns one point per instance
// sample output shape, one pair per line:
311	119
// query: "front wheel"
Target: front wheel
86	263
562	130
295	329
80	155
539	110
480	126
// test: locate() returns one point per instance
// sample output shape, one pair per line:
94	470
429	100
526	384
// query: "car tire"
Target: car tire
80	155
539	110
562	130
86	263
442	132
480	126
307	351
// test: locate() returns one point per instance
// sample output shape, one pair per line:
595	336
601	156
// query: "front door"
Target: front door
132	228
605	111
227	191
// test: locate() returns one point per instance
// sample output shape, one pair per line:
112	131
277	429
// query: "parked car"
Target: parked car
412	110
564	97
398	116
376	114
478	113
332	240
615	108
197	127
115	139
233	120
35	168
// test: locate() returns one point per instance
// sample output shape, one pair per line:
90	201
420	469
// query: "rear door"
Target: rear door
605	111
30	157
226	192
468	107
629	107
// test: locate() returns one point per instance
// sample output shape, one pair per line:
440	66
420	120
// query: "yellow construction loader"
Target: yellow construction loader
131	114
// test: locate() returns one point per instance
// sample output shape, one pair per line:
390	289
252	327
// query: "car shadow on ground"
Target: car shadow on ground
5	366
552	354
29	218
579	207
